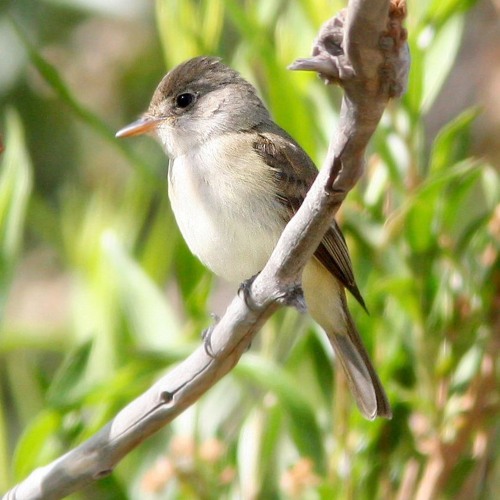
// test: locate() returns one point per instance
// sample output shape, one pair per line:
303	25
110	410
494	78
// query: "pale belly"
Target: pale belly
233	231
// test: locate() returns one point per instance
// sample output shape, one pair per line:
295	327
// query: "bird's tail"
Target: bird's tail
361	375
326	301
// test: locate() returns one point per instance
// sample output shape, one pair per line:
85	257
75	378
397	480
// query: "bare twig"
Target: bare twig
348	51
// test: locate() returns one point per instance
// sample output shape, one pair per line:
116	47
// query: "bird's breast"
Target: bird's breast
224	201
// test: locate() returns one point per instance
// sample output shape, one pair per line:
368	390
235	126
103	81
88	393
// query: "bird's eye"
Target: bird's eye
184	100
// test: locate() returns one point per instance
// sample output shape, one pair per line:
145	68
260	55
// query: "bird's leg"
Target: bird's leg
294	297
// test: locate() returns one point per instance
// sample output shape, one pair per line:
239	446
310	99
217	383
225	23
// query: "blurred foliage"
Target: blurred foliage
99	295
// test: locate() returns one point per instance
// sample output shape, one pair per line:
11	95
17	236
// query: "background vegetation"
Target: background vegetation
99	295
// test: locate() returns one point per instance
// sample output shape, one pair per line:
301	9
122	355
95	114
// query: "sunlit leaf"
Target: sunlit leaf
451	143
154	323
4	449
69	383
15	189
38	443
439	58
301	417
467	368
439	11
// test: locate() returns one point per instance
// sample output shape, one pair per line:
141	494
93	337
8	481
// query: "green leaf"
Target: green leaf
440	55
467	368
4	446
188	28
451	143
302	417
463	204
423	212
257	442
414	95
462	471
154	323
15	190
194	280
69	383
421	229
440	11
403	291
37	445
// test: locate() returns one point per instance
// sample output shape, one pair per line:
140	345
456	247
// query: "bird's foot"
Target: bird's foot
244	290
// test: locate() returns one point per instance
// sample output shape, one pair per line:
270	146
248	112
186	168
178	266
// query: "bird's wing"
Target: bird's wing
294	173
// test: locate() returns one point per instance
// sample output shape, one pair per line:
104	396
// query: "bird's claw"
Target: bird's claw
244	289
206	336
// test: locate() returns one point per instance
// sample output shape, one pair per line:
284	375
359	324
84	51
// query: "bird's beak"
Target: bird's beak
139	127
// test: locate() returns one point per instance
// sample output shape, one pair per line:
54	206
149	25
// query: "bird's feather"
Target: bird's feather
294	173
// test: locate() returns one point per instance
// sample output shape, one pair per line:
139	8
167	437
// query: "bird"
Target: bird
235	179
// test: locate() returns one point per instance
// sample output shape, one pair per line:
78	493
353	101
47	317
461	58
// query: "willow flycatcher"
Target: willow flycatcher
235	179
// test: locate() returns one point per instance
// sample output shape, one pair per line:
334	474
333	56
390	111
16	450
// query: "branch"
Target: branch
349	51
